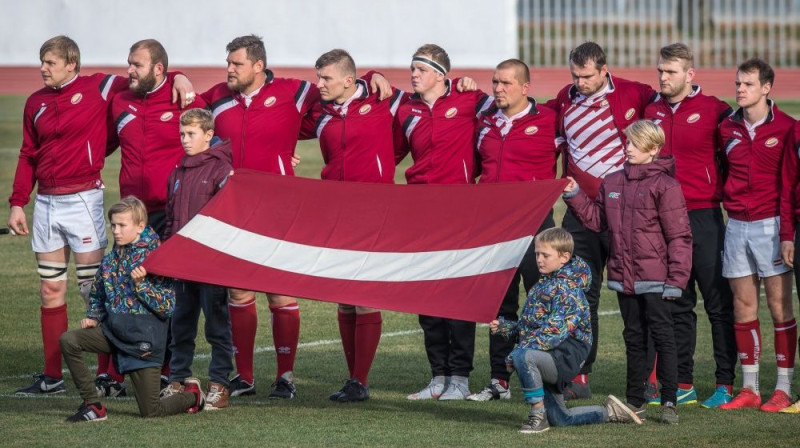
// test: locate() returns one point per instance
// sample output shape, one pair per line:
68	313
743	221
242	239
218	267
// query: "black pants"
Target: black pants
643	313
499	348
708	234
450	345
592	247
190	298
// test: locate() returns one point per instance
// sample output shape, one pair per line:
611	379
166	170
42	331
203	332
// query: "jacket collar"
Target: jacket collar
738	116
573	91
447	85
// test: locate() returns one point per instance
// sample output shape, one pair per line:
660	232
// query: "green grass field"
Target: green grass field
400	368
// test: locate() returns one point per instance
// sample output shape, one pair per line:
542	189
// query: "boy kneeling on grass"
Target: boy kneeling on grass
200	174
554	335
128	317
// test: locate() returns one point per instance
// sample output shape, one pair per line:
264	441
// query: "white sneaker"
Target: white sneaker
432	391
494	391
457	389
618	412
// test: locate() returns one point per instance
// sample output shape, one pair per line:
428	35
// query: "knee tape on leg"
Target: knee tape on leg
85	274
52	271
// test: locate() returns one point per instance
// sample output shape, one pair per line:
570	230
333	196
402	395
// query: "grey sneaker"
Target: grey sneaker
669	414
577	391
494	391
457	389
432	391
640	412
537	423
618	412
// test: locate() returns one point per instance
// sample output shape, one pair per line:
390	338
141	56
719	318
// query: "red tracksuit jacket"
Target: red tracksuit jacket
692	136
264	135
148	129
753	186
441	139
65	135
358	146
527	152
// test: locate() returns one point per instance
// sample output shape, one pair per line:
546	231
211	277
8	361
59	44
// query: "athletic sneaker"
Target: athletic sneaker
108	387
793	408
216	397
164	382
640	412
193	385
651	394
241	387
687	396
747	399
93	412
43	384
432	391
457	389
618	412
718	398
352	391
171	389
282	388
494	391
537	423
669	414
577	391
778	401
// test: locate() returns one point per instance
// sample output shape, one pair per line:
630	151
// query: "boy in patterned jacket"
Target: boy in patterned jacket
128	317
553	336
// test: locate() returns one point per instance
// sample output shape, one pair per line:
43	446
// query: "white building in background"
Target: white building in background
384	33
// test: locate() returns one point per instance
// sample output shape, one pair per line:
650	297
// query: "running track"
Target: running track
546	81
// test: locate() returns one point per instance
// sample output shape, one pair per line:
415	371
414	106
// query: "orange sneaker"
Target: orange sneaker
747	399
777	401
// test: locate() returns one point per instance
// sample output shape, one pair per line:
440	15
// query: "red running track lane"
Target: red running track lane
546	81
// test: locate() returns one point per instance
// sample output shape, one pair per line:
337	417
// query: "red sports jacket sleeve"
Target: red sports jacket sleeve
25	177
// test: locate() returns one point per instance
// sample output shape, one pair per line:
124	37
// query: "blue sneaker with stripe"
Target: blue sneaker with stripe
718	398
685	396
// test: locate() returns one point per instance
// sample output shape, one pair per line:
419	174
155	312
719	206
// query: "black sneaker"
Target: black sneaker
577	391
282	388
353	391
44	385
537	423
335	396
107	387
241	387
94	412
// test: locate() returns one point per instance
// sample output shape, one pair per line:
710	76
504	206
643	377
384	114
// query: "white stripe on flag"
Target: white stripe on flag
345	264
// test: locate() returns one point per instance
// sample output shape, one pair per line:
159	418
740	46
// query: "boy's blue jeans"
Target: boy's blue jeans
190	298
538	373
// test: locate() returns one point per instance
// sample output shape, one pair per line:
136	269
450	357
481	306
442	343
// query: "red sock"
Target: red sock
653	378
285	335
54	324
581	378
368	335
347	330
748	341
503	383
685	386
244	323
112	372
103	359
785	343
165	370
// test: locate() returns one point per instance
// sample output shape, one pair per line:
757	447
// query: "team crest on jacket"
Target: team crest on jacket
614	195
629	113
451	112
693	118
604	103
76	98
530	130
166	116
270	101
365	109
771	142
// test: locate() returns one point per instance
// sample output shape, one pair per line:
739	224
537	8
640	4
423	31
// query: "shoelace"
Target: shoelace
214	396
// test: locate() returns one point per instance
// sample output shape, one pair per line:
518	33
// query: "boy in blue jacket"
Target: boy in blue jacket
128	317
553	337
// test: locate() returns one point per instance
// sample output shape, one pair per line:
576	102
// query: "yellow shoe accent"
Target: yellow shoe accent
793	409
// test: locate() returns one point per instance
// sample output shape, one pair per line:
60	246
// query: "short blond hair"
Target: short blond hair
132	205
63	47
198	117
645	135
557	238
678	52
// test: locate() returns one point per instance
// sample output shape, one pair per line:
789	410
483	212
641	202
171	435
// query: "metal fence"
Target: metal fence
722	33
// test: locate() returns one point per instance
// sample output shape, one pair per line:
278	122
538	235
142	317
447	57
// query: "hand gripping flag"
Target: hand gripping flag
439	250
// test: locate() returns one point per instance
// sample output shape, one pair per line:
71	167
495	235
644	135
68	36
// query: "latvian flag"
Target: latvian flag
440	250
